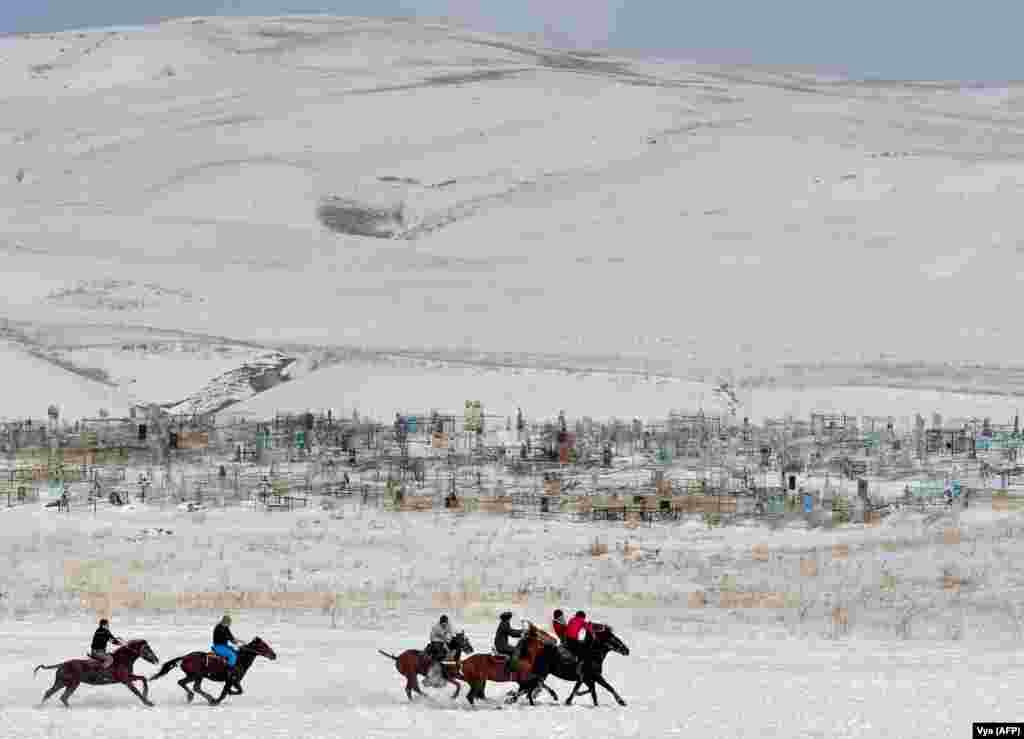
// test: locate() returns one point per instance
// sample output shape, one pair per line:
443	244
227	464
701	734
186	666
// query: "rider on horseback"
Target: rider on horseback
577	632
98	651
559	625
501	645
561	629
440	635
221	636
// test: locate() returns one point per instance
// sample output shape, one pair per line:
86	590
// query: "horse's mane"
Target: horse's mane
536	631
132	644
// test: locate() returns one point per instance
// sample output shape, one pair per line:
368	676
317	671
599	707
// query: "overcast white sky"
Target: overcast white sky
906	39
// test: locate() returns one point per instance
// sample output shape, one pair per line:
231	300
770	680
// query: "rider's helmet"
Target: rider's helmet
506	615
443	620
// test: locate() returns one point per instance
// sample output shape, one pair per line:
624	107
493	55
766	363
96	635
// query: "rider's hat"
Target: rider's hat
104	622
558	613
443	619
506	615
227	619
581	614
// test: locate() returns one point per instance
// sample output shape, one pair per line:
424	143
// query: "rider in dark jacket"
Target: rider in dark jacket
501	645
221	637
98	650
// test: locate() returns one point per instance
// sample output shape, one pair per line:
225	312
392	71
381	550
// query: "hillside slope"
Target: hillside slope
378	183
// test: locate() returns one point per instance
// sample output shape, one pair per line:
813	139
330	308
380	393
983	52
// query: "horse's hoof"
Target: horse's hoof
622	702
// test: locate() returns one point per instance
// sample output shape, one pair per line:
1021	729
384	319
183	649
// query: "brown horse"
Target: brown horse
198	666
413	662
74	672
480	668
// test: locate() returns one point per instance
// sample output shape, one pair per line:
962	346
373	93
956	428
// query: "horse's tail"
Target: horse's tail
168	666
44	667
390	656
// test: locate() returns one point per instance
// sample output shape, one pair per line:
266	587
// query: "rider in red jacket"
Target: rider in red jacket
575	632
559	625
578	624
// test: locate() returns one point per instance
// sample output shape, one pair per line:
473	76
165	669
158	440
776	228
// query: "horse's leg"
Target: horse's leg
458	688
198	688
593	691
184	684
607	686
582	692
568	701
223	693
127	682
57	685
145	684
68	692
552	693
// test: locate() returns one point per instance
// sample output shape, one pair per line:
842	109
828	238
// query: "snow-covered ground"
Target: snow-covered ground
329	683
920	658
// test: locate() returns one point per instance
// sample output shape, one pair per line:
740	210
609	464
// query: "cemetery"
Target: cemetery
832	469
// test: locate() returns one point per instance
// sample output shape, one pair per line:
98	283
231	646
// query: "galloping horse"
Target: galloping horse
74	672
198	666
480	668
595	649
413	662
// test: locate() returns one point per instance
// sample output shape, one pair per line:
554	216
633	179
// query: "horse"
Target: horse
480	668
413	662
198	666
90	671
595	649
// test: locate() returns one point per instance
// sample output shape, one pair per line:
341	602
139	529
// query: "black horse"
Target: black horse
555	662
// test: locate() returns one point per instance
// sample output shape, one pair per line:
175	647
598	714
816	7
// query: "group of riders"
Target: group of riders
572	634
224	643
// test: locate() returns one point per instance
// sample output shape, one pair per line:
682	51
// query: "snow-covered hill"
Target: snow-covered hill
385	183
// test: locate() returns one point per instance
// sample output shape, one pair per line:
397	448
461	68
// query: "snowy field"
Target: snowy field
331	683
917	659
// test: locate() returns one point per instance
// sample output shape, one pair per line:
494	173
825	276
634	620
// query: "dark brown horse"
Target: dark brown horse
593	652
198	666
480	668
74	672
413	662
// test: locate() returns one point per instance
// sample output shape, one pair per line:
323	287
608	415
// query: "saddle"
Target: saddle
502	673
212	658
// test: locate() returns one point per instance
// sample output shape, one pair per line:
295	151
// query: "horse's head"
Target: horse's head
261	648
460	642
607	640
132	650
538	634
